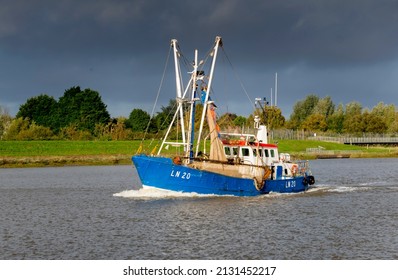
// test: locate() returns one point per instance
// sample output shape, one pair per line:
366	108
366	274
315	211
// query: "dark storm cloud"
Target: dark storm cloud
314	31
119	47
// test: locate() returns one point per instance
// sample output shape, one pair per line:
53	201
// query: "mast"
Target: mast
271	97
215	51
179	99
179	88
191	128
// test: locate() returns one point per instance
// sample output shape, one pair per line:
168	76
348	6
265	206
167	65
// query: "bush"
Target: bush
36	132
114	130
22	129
72	133
5	121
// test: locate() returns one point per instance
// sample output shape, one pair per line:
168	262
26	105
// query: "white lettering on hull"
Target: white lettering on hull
179	174
290	184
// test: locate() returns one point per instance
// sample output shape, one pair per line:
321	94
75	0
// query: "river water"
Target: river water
100	213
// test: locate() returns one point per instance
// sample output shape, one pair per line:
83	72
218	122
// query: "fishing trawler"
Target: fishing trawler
238	164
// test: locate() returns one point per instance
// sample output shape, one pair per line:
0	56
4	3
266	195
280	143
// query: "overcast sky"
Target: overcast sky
344	49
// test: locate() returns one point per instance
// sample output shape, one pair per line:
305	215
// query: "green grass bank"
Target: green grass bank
299	148
60	153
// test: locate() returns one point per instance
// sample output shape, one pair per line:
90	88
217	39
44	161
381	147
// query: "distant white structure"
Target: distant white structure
276	89
275	103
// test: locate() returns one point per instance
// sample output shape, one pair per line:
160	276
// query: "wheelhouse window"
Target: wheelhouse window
272	153
245	152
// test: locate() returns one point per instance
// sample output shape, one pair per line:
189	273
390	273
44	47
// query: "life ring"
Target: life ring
294	169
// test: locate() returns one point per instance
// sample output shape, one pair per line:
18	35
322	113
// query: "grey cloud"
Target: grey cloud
315	31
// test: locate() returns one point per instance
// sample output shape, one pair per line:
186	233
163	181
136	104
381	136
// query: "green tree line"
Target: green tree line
78	115
82	115
322	115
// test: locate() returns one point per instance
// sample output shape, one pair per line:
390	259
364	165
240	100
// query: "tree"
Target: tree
163	118
315	122
301	110
240	121
138	120
227	120
39	109
353	108
84	109
68	108
353	118
324	107
394	126
372	123
336	120
387	113
275	119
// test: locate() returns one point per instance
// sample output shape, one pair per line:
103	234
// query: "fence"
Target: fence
287	134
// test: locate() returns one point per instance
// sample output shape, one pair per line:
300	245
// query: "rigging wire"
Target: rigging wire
161	84
237	77
156	99
188	66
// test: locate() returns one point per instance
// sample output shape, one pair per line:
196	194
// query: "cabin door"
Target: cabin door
246	154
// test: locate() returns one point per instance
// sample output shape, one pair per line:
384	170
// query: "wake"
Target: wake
153	193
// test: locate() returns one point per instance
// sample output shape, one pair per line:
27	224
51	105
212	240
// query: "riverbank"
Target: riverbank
42	161
63	153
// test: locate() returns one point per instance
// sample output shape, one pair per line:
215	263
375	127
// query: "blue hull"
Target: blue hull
162	173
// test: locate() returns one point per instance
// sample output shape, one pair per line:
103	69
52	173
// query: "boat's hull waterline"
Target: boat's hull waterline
162	173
